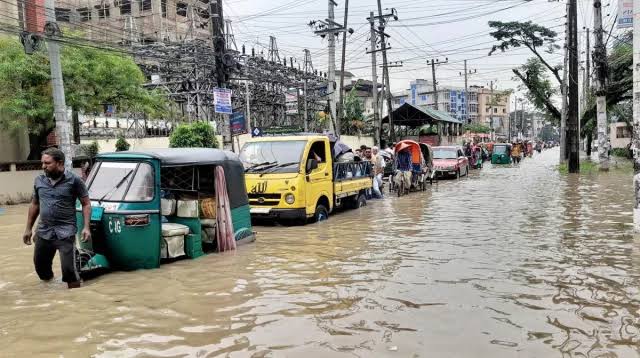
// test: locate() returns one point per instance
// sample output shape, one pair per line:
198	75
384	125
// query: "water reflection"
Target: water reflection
512	261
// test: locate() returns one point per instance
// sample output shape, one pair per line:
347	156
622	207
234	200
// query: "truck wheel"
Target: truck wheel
361	201
321	213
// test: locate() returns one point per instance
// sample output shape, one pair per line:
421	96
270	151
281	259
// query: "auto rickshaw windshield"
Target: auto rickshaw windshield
500	149
121	181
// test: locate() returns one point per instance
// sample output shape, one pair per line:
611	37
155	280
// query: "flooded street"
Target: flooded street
510	262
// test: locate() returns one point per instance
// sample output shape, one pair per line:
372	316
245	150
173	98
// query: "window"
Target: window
144	5
473	108
319	149
125	7
473	97
447	95
163	7
62	14
276	156
488	110
103	11
504	110
85	14
181	9
623	132
495	110
424	98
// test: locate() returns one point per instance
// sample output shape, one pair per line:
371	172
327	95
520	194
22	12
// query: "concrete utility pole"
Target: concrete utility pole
308	68
331	80
433	63
563	94
330	29
573	135
344	53
636	114
491	111
63	127
466	90
248	105
600	62
374	78
382	19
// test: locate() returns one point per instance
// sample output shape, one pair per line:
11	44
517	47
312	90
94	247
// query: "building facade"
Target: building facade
450	99
493	109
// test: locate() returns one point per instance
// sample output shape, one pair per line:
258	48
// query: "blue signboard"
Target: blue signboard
237	123
256	132
222	100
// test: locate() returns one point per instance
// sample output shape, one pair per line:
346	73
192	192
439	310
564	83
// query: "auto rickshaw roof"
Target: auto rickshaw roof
177	156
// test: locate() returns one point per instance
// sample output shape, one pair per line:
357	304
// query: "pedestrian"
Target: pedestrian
378	171
54	199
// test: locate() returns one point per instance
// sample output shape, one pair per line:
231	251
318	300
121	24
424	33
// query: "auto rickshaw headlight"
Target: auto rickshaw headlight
290	198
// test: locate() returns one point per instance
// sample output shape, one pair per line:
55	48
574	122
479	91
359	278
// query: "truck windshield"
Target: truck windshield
272	156
444	153
121	181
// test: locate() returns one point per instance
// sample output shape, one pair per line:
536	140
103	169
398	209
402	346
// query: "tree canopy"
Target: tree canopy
92	78
196	135
353	118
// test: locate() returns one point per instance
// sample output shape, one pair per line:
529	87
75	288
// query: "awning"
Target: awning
417	116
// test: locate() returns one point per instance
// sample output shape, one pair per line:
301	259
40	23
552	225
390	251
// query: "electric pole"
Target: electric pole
382	20
433	64
63	127
308	68
374	78
563	92
636	116
600	63
466	91
491	111
344	52
573	135
330	29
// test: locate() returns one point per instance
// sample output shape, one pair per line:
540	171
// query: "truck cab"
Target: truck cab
296	178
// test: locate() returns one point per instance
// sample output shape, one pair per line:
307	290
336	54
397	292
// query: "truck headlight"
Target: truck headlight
290	198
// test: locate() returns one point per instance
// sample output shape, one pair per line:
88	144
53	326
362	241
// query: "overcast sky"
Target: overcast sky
453	29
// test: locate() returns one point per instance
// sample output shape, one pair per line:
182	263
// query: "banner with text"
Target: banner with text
222	100
625	14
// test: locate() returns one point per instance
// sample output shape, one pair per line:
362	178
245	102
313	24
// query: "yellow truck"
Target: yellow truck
297	178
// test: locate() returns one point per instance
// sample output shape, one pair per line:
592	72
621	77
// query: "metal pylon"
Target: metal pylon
274	56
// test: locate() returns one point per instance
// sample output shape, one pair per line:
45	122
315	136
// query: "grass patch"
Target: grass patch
619	165
585	168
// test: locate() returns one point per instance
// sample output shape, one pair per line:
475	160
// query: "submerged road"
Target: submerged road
510	262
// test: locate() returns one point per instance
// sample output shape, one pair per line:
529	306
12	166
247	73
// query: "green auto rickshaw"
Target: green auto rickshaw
153	206
501	153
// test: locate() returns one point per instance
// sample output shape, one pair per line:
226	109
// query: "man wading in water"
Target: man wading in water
54	199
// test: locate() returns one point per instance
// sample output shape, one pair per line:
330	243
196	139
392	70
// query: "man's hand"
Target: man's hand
26	237
86	234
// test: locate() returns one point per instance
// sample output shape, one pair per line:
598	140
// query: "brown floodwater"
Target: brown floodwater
510	262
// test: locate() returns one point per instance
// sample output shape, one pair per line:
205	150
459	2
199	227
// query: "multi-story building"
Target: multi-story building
493	109
452	100
121	21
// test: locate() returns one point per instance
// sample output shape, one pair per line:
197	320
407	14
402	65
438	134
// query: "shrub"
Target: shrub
90	150
122	144
621	152
196	135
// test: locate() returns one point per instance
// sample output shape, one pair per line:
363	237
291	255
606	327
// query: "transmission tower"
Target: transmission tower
230	37
273	56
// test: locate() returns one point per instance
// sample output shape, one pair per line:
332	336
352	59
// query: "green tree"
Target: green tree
196	135
92	78
476	128
353	121
534	73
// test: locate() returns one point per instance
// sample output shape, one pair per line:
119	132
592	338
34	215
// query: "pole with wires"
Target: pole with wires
600	62
63	127
573	135
342	64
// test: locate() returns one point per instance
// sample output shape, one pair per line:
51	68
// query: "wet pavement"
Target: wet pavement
510	262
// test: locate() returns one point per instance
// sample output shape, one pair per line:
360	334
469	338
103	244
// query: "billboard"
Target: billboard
291	101
222	100
237	123
625	14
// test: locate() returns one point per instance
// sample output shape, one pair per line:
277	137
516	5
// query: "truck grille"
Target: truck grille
264	199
